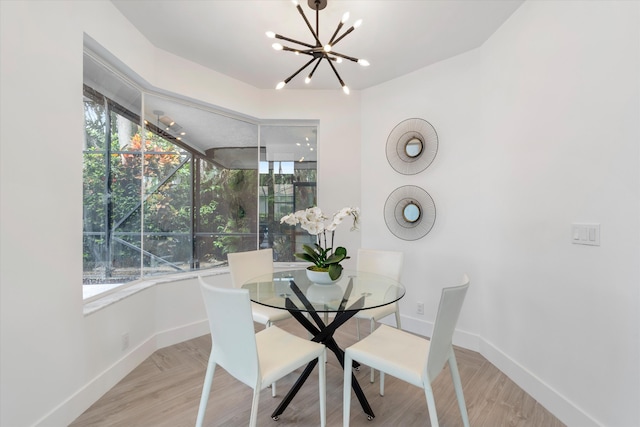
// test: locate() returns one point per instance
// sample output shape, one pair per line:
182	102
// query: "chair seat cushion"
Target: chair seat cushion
280	352
264	314
395	352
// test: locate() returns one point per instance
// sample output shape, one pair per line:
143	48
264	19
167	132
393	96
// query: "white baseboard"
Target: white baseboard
565	410
182	333
76	404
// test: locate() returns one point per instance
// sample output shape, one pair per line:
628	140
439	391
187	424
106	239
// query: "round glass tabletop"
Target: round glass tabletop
274	289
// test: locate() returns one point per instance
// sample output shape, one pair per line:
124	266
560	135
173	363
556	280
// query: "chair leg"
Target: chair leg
254	407
273	386
381	383
206	389
322	387
358	329
457	385
431	405
346	397
373	326
398	325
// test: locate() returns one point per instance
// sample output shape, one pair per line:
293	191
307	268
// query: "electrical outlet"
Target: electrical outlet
124	341
420	308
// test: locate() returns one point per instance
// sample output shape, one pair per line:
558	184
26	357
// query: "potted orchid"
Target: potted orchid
322	254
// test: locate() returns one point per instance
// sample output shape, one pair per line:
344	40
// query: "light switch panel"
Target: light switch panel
585	234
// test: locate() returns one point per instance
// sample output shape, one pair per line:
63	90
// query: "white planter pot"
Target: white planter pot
320	277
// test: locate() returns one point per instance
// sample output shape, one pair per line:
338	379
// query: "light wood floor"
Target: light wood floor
165	391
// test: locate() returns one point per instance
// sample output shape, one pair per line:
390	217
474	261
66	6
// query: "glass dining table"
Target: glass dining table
291	290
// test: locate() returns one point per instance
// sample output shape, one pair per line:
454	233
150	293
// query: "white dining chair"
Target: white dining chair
411	358
385	263
247	265
244	266
256	359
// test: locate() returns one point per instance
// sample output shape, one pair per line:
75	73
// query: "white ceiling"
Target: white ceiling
396	37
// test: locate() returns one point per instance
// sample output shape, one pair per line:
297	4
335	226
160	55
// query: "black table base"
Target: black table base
323	334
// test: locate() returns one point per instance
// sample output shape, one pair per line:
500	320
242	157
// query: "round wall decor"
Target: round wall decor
409	212
411	146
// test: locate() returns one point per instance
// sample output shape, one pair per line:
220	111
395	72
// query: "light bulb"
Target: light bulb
295	2
363	62
271	34
338	60
327	48
345	17
345	89
307	80
280	85
277	46
357	23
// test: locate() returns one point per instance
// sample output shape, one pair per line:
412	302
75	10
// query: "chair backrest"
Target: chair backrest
247	265
232	333
385	263
441	343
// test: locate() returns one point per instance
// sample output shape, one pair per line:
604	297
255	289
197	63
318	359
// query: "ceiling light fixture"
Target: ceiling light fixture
317	50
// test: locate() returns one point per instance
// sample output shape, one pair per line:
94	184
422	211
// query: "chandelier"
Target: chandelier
317	50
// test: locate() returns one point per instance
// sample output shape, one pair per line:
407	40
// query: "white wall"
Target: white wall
539	129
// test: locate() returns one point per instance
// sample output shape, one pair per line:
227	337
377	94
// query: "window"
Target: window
171	186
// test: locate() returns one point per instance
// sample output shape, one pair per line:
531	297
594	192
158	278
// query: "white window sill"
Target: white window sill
98	297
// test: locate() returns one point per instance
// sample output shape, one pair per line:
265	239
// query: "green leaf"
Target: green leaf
305	257
310	251
334	259
340	250
338	256
335	270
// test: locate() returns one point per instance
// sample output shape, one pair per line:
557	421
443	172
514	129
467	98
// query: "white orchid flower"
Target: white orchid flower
290	219
314	222
355	213
313	228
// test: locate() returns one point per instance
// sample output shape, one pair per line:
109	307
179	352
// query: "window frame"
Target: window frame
195	159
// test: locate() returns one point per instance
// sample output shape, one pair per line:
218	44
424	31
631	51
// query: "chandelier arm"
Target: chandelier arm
350	58
278	36
315	36
344	35
335	71
315	66
306	52
300	69
335	33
